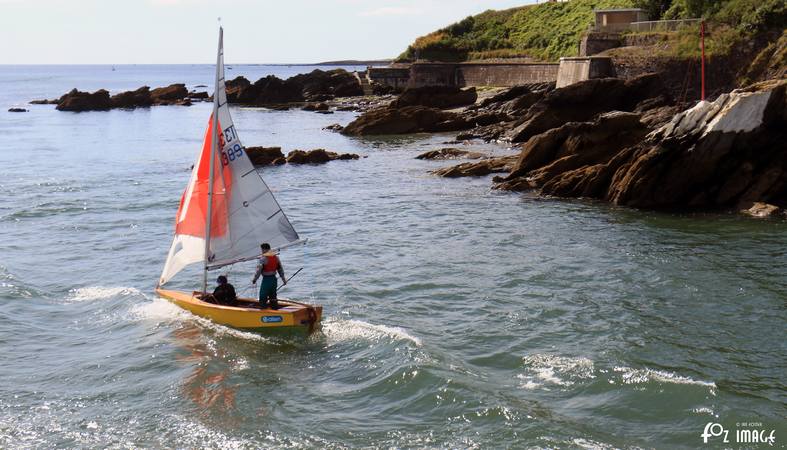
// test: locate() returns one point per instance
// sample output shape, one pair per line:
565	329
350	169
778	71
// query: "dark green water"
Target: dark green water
455	316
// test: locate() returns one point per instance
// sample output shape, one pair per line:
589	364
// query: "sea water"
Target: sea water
455	316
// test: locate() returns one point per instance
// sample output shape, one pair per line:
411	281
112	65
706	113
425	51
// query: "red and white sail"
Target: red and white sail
244	212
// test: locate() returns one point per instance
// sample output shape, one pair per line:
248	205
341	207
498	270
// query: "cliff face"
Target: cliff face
728	153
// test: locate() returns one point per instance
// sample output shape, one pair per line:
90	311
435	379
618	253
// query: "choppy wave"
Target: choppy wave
342	330
12	287
640	376
89	293
159	310
543	369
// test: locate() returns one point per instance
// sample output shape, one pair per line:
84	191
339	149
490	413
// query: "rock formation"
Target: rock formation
317	156
450	153
477	169
174	94
264	156
729	153
316	86
436	97
410	119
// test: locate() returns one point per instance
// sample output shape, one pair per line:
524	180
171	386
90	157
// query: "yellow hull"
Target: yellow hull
290	315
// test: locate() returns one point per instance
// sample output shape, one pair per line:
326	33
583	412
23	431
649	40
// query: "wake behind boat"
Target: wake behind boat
227	196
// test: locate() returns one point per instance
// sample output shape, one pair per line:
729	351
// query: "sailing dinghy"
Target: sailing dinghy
225	212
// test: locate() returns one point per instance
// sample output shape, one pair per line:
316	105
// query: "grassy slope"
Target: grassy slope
546	31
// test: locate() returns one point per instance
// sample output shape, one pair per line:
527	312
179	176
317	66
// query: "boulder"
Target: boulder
264	156
477	169
132	99
436	97
333	127
85	101
317	156
316	86
410	119
202	95
450	153
316	107
762	210
17	110
170	94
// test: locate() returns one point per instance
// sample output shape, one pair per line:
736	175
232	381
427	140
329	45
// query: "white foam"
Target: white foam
638	376
704	410
556	370
160	310
99	292
341	330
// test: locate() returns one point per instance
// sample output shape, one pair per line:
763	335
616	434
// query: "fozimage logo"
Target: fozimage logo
745	433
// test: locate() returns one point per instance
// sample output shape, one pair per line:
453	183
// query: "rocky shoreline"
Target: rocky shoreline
311	91
624	142
627	142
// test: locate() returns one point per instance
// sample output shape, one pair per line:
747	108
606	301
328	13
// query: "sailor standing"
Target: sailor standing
267	267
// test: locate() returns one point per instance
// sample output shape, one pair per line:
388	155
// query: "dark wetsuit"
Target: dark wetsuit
224	294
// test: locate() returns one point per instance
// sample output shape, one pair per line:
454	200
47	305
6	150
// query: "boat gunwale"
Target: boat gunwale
196	301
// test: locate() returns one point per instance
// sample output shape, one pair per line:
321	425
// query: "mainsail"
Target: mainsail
243	211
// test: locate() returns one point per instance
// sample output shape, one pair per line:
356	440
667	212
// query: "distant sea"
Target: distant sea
455	316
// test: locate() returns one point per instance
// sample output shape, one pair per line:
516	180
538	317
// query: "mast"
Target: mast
213	150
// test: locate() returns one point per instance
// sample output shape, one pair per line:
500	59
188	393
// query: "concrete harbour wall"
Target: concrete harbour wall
464	74
574	70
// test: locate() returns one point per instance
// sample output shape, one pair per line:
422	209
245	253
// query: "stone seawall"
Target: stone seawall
465	74
394	77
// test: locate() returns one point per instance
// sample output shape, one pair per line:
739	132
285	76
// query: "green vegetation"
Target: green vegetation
548	31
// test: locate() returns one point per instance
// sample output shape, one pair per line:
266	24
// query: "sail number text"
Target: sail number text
232	153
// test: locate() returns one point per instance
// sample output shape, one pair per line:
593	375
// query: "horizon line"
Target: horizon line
324	63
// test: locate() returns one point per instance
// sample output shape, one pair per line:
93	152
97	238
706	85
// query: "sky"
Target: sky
185	31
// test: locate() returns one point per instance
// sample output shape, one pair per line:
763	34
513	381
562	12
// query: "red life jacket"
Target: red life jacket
271	264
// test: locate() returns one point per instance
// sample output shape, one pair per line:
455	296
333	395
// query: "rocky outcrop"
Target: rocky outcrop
132	99
333	127
264	156
265	91
450	153
316	86
477	169
729	153
410	119
317	156
273	156
174	94
169	95
762	210
549	160
583	101
436	97
316	107
85	101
